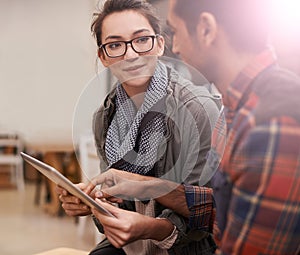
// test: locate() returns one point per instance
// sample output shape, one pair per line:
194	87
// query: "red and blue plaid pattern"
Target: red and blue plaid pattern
202	208
262	161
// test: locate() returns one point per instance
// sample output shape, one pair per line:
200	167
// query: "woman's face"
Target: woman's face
133	70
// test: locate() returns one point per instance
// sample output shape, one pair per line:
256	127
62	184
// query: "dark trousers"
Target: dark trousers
106	248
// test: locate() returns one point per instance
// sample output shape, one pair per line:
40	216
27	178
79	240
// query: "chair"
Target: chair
88	158
10	147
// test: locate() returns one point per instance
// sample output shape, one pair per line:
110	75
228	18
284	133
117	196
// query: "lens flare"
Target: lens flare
285	33
285	16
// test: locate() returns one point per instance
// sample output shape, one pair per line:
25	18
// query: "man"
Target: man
257	188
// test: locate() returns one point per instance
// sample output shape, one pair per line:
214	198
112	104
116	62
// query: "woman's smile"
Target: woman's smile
136	69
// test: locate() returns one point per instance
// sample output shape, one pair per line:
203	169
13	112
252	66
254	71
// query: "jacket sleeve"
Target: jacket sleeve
195	127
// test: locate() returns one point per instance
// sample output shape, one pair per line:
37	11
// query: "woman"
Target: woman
153	123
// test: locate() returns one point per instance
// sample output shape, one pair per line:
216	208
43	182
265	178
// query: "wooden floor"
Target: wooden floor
27	229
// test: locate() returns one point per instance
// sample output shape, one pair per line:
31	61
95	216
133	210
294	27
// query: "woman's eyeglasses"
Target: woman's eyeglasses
140	44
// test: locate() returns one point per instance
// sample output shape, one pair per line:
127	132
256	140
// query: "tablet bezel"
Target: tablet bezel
55	176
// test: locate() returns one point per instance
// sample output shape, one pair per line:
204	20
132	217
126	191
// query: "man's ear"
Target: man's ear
161	45
207	28
102	57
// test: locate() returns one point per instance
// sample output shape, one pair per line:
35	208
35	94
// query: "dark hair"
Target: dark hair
112	6
245	21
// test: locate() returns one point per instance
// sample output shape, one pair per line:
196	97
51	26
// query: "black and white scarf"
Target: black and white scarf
134	136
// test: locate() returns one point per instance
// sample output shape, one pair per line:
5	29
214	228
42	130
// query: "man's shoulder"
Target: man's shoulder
277	80
278	91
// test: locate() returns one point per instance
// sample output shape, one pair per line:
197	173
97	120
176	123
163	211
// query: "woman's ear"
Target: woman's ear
207	28
102	57
161	45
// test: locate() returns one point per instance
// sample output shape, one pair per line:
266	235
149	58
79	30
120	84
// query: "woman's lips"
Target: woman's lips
133	68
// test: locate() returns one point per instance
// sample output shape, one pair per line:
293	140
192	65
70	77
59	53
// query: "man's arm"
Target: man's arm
193	202
175	200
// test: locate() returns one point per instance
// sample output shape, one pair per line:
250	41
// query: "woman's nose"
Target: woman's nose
130	53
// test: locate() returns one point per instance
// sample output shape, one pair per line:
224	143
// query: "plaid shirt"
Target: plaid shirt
261	164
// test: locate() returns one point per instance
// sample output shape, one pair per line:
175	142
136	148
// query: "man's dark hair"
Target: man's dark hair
245	21
112	6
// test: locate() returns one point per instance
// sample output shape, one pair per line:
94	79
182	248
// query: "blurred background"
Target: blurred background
47	58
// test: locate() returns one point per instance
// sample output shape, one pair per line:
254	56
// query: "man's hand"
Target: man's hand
71	204
117	185
128	226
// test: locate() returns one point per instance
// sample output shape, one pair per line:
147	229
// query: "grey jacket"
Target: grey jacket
191	113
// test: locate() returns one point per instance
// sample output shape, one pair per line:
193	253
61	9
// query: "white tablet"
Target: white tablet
55	176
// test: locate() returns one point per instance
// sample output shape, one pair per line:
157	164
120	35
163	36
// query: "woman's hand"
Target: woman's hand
71	204
128	226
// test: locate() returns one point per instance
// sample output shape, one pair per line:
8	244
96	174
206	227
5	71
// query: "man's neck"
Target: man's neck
230	65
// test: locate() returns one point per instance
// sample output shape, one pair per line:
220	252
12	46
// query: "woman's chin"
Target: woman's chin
141	82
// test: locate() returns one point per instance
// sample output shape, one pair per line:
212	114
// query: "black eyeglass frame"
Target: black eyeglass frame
103	46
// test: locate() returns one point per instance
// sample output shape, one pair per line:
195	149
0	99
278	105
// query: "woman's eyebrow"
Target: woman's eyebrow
113	37
141	31
118	37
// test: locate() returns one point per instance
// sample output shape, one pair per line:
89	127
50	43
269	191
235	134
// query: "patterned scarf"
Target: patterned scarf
134	136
